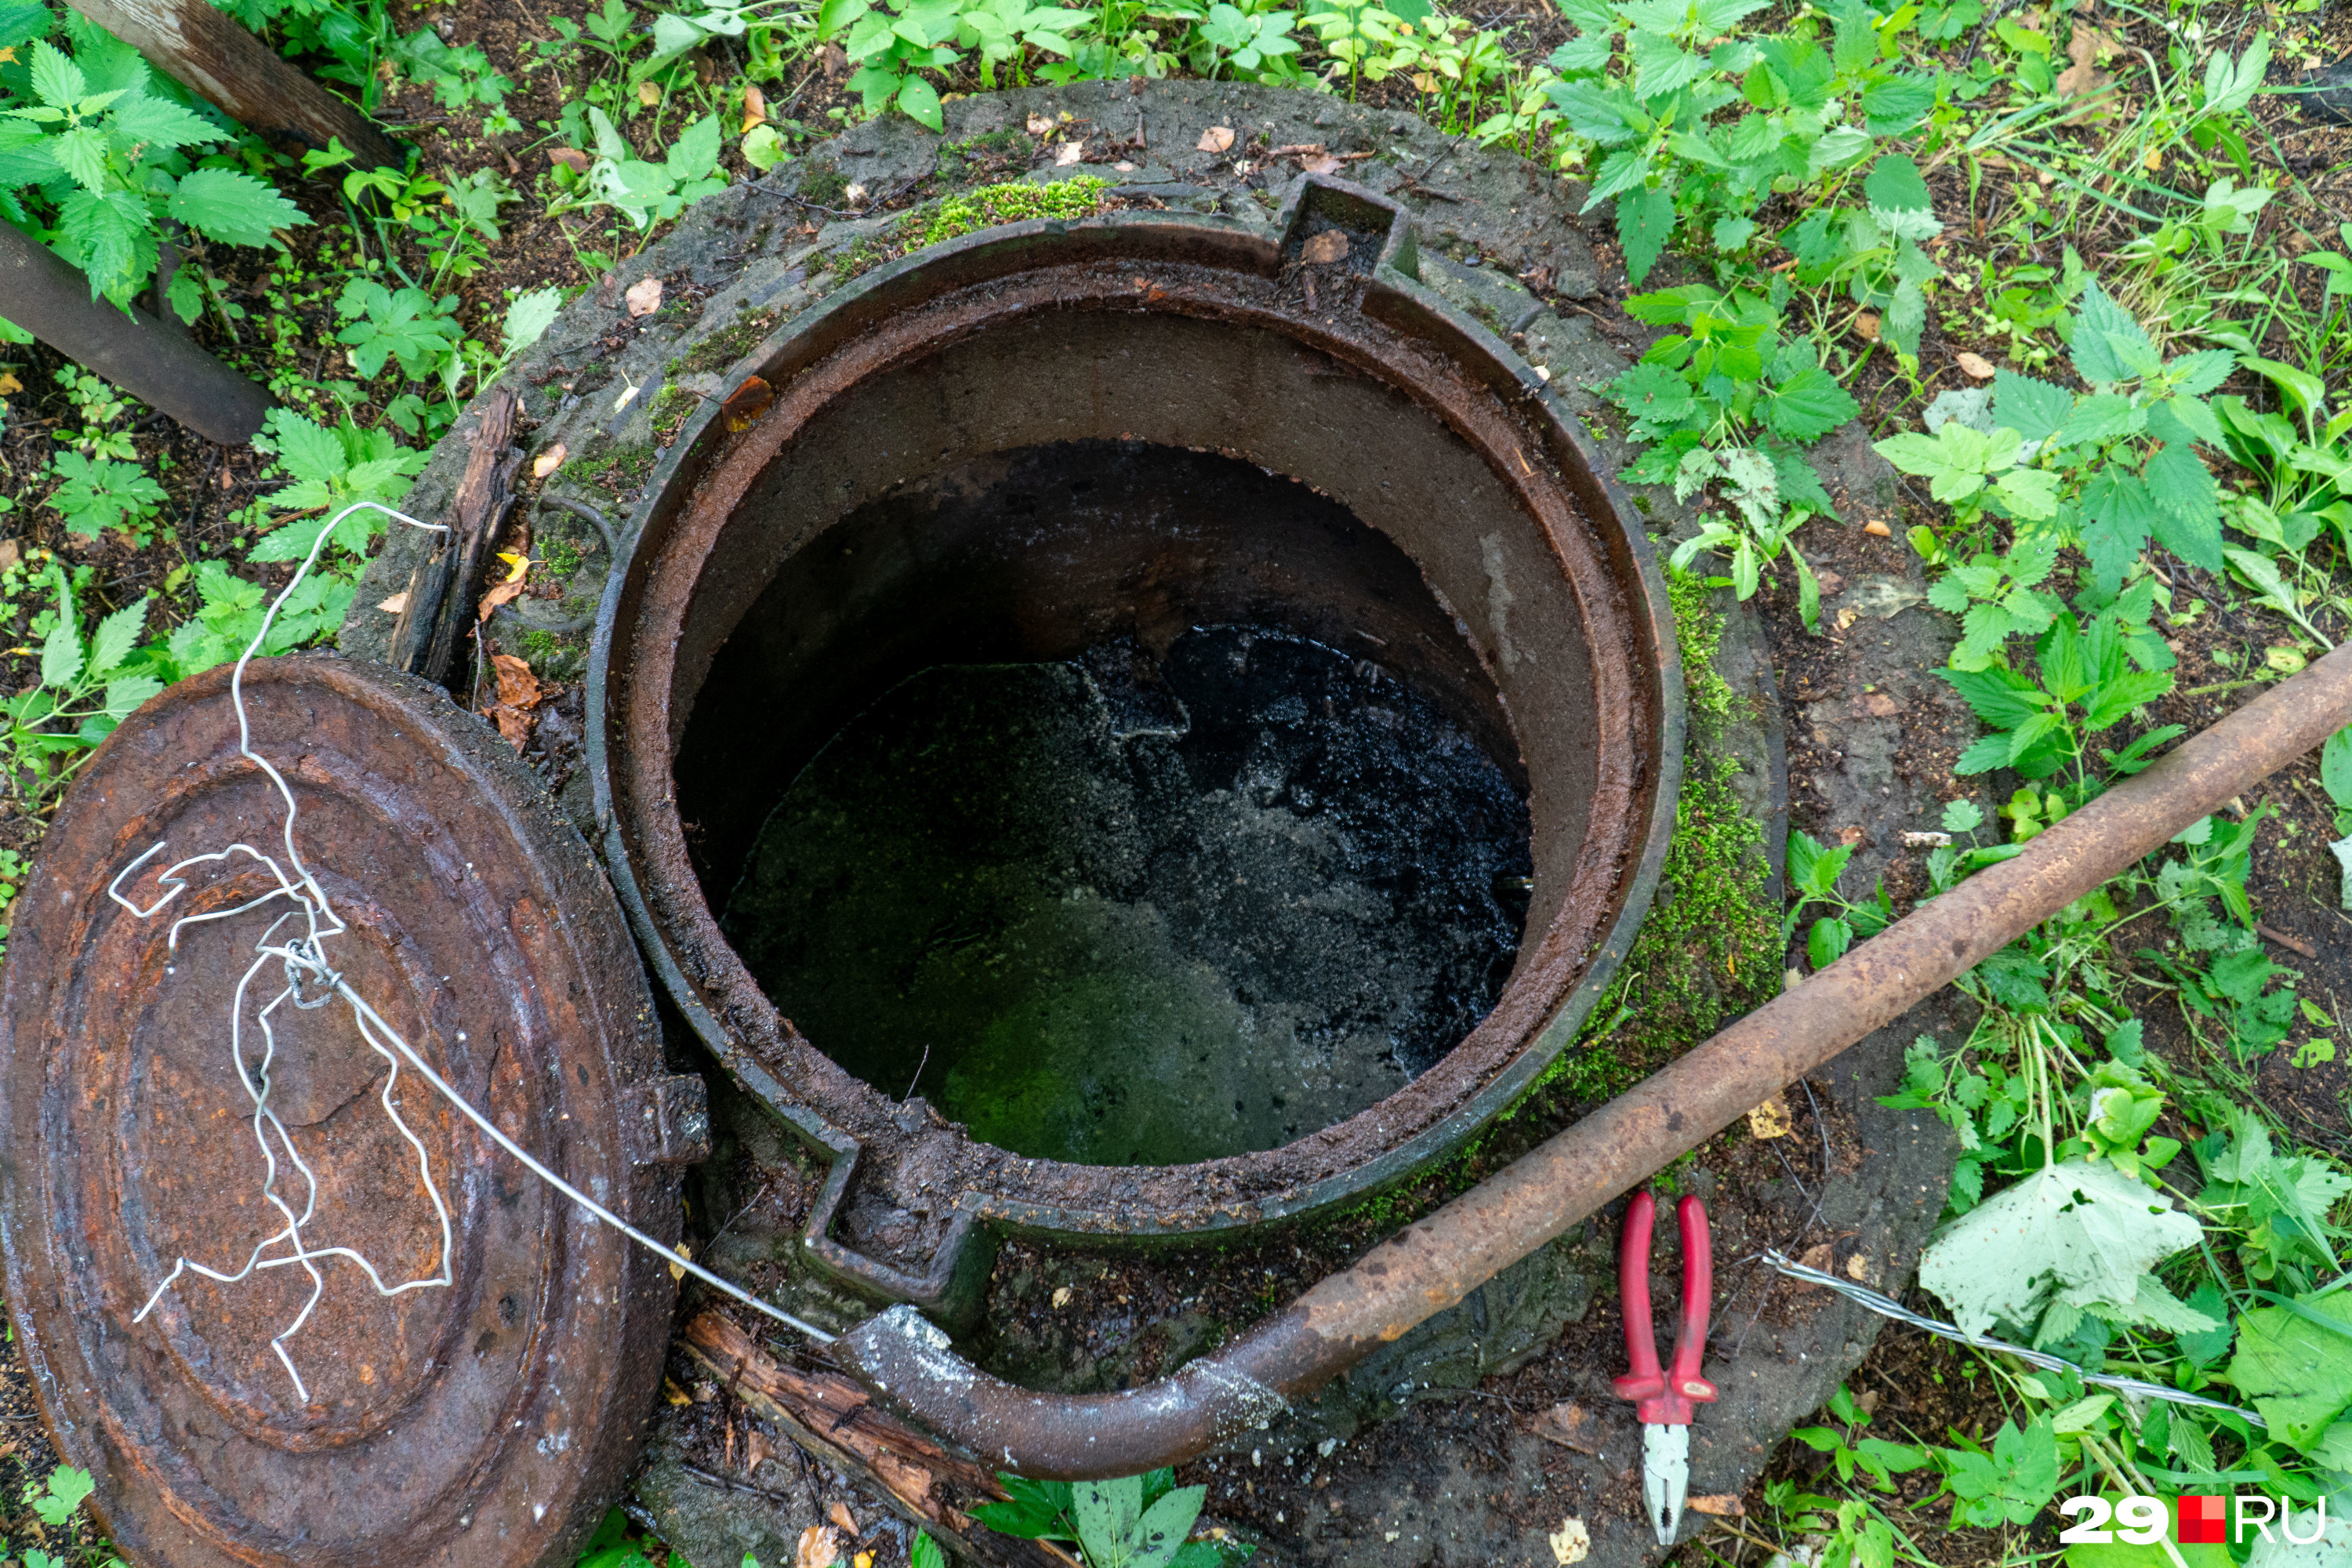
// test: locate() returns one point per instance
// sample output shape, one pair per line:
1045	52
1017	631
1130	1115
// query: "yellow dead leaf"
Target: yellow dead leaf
1877	529
1976	365
1318	163
9	384
1769	1120
547	462
755	109
1062	1296
1724	1505
504	594
1071	153
838	1512
1324	249
819	1548
648	94
643	296
863	1560
517	565
394	605
1040	124
1216	138
1571	1542
674	1393
517	686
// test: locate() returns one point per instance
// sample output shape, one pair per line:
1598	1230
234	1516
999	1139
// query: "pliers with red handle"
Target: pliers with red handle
1662	1400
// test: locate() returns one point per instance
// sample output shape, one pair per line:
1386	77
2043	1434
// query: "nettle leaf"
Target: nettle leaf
2107	344
2187	506
112	237
2001	697
2101	417
159	122
2074	1232
233	206
1894	104
57	81
116	636
2297	1372
2199	373
1807	406
81	152
2117	514
1661	65
2034	409
1645	218
1894	184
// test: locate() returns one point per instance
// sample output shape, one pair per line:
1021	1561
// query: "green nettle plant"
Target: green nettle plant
95	159
2106	470
1644	81
1137	1522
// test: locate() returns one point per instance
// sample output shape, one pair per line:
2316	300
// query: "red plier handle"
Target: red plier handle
1665	1397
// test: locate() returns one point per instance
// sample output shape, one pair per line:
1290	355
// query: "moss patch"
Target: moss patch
823	184
1016	202
611	465
1710	945
729	342
671	410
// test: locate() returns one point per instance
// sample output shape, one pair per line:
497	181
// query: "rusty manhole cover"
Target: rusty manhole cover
1115	446
479	1421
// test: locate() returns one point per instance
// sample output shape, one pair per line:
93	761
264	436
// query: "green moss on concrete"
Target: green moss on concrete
823	185
729	342
611	466
1709	949
1016	202
672	408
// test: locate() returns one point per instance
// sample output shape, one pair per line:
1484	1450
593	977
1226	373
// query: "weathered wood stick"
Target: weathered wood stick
161	368
834	1419
205	51
439	605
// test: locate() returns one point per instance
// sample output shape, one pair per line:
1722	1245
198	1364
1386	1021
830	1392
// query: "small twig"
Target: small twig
2293	943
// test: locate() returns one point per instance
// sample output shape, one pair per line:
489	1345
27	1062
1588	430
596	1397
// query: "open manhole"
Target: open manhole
1157	728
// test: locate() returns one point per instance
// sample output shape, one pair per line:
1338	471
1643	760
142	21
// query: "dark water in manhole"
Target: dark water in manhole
1120	912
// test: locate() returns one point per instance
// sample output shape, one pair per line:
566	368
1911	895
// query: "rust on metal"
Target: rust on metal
487	1423
1433	1264
1530	603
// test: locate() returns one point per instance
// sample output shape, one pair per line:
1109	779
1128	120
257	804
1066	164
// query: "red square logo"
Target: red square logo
2200	1521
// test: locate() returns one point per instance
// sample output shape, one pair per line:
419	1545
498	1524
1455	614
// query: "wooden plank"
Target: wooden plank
834	1418
440	601
205	51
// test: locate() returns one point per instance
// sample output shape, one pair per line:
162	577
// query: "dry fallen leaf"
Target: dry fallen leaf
517	685
644	296
9	384
2083	79
1322	249
834	59
839	1512
1070	154
1571	1542
747	402
1571	1425
853	193
1867	325
505	593
1769	1120
674	1393
571	158
1857	1268
11	551
1216	138
517	565
1976	365
1124	167
1877	705
756	1452
547	462
1319	163
1725	1505
390	606
648	94
1817	1258
1039	124
1062	1296
755	109
819	1548
1877	529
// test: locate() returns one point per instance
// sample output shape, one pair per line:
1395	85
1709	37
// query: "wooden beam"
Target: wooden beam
440	605
161	367
834	1419
205	51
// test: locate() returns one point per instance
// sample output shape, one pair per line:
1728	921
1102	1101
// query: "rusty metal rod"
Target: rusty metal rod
1433	1264
161	368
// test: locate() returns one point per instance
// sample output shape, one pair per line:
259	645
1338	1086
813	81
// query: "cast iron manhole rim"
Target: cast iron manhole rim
1398	332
